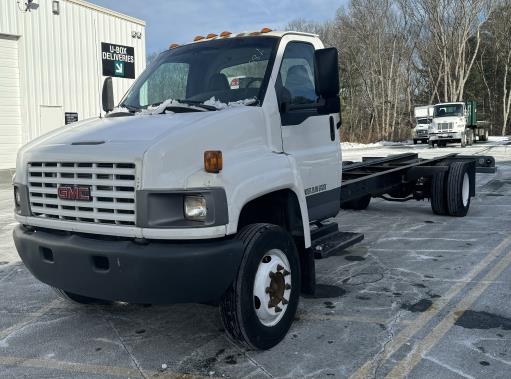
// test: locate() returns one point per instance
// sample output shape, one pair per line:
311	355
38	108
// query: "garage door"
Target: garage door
10	102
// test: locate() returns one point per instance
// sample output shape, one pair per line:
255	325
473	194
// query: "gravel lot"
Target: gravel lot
422	296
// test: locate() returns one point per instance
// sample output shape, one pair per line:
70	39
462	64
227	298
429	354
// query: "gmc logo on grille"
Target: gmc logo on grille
79	193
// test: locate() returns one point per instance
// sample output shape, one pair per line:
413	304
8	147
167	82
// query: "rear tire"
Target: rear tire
438	194
415	142
78	299
259	307
458	190
357	204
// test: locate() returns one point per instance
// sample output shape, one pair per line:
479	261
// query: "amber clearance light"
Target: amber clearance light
213	162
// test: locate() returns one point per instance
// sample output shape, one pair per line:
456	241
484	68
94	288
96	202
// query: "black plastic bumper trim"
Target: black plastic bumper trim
122	270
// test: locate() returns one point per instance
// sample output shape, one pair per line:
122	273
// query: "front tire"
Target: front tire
259	307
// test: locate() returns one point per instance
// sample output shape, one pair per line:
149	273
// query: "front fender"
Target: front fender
249	175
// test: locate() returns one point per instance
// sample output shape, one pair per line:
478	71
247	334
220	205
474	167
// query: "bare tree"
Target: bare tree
448	27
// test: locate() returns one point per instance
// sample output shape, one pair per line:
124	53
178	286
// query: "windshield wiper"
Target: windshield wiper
198	104
131	108
183	102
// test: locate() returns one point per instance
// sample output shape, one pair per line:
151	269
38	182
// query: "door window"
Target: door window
296	80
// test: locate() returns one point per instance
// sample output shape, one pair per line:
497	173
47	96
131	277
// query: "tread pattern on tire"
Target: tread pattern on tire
454	194
230	309
438	194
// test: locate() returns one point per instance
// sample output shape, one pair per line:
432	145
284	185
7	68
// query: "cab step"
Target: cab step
328	240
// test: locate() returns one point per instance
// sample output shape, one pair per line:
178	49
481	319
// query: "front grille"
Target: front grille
445	126
422	132
112	190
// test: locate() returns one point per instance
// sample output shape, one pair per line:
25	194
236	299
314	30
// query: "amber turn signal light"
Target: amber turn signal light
213	162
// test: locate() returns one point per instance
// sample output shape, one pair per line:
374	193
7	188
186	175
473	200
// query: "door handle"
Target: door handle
332	128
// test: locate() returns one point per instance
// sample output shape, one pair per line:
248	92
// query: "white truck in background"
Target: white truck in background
456	123
194	191
423	117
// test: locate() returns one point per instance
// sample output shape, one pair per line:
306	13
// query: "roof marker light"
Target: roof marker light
173	46
211	35
225	34
265	30
198	38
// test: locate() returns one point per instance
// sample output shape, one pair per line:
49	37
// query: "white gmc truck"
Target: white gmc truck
192	190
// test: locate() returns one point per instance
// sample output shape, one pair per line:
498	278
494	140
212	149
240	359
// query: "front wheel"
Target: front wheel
259	307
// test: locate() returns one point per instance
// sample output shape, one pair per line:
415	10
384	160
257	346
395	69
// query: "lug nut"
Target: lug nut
286	273
277	309
288	286
280	268
271	274
267	290
284	301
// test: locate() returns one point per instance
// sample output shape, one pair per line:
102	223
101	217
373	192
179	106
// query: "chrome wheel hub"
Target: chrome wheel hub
272	287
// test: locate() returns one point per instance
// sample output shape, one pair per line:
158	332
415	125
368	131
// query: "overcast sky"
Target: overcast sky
169	21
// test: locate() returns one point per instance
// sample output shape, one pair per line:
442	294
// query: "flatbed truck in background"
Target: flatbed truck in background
457	123
194	190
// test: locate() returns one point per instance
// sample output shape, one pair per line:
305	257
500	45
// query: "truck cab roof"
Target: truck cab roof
263	32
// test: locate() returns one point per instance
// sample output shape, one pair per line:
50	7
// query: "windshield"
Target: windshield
227	69
449	110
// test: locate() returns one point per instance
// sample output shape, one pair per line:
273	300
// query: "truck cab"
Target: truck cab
449	125
423	119
192	184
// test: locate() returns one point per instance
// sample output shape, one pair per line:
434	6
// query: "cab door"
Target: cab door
309	129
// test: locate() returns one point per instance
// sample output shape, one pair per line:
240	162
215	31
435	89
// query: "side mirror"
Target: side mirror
327	68
327	64
108	95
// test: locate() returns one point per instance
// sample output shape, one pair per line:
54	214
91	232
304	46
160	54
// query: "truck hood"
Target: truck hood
129	139
454	119
140	128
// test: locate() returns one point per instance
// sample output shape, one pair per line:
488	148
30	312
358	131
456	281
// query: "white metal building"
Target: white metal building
53	54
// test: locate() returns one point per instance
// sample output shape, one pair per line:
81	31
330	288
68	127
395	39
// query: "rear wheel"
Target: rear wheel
78	299
458	190
438	193
259	307
415	142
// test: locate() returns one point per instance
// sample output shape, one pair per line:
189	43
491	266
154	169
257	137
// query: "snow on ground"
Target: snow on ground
355	145
499	138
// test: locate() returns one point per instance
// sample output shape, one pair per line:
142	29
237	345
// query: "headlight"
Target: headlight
195	208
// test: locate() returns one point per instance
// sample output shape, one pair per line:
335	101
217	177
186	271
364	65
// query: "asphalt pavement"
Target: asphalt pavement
423	296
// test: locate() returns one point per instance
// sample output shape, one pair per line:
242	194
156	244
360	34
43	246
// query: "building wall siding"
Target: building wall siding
60	57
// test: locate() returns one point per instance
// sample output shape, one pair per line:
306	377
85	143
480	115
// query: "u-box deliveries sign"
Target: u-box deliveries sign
118	60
